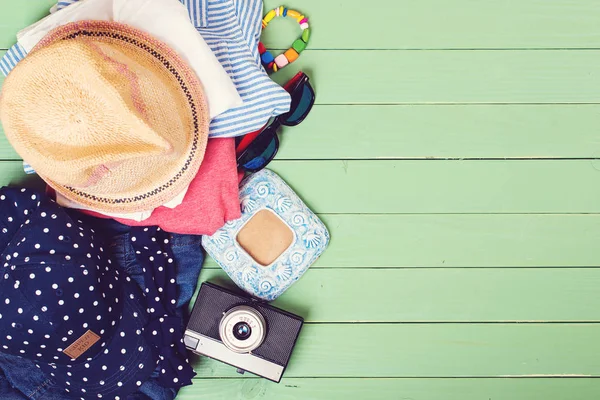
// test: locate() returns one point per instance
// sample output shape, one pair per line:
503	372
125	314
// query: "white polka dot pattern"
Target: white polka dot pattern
56	284
153	252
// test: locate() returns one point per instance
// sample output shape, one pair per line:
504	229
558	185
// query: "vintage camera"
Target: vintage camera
237	330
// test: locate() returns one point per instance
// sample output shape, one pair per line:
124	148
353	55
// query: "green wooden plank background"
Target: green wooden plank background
430	24
449	77
460	240
396	389
458	162
437	350
423	186
444	131
436	131
440	24
449	295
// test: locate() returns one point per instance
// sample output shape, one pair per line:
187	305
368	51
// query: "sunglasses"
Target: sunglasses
262	149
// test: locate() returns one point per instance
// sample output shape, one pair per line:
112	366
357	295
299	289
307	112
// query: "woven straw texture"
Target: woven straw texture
122	128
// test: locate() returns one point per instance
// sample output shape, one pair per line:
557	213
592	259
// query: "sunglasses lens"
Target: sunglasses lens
260	152
301	105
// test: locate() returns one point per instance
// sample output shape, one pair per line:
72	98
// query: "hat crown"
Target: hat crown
91	112
110	117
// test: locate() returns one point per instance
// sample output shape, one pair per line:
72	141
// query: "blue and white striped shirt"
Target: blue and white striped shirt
231	28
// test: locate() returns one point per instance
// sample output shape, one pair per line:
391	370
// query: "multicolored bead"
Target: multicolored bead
298	45
261	48
270	15
281	61
306	35
266	57
290	55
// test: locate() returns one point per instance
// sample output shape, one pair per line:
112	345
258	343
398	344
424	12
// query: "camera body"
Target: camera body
240	331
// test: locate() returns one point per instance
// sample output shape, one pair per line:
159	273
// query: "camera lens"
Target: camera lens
242	331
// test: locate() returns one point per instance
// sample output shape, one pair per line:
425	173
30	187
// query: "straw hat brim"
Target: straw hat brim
140	183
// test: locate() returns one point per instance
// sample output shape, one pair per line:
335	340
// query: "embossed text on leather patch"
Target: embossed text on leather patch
81	345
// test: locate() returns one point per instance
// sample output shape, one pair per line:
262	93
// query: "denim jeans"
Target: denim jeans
20	379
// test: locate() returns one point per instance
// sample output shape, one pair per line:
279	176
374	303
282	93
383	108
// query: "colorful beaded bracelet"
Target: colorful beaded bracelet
290	55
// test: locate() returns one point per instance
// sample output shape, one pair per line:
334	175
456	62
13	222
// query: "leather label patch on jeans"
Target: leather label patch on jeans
81	345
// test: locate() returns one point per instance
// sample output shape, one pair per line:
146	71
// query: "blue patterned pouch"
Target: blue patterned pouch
261	191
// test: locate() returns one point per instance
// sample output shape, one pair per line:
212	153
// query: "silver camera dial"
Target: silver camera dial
242	329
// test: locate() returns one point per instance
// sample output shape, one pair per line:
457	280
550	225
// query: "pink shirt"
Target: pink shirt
212	198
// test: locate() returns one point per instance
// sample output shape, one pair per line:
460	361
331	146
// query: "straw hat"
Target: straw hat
107	115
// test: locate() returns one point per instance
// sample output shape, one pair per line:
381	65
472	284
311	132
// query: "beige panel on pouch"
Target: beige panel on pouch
265	237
